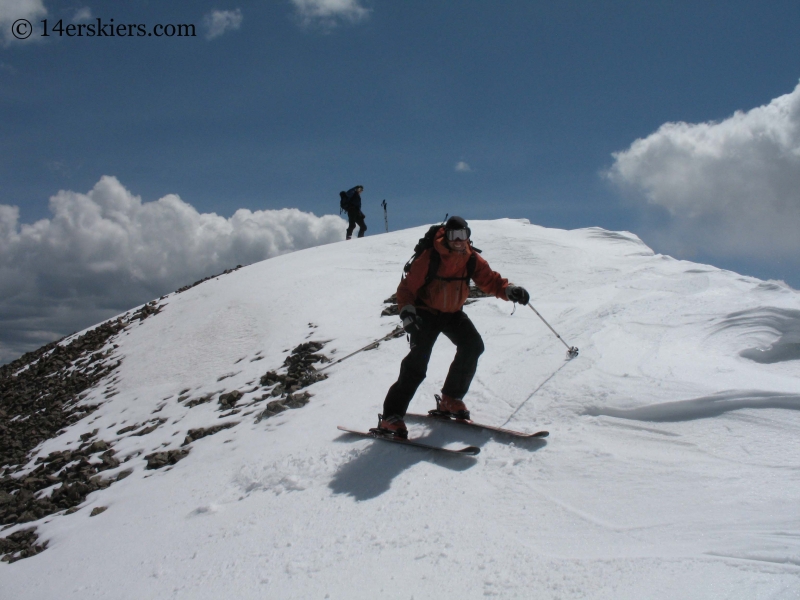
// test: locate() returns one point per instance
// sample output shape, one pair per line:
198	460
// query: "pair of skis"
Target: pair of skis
434	415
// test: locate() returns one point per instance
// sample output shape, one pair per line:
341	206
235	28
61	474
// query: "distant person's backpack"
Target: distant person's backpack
426	242
345	202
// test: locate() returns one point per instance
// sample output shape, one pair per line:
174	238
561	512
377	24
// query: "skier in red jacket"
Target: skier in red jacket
437	307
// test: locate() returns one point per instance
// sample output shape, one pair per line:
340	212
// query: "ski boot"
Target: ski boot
391	425
447	406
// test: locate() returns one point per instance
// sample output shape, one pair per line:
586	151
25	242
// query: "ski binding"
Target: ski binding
439	416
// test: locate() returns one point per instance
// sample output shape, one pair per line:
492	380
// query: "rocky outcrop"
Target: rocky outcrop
278	406
44	392
20	544
229	400
300	373
72	475
157	460
196	434
204	279
41	394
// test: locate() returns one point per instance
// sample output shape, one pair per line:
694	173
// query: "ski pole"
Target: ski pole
572	351
396	333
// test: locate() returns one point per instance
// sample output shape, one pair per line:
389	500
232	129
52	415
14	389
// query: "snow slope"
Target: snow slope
672	469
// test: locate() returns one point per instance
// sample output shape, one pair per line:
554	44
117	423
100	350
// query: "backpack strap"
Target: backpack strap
471	264
433	266
436	260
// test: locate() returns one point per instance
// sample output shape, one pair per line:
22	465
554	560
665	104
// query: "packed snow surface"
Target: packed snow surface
672	469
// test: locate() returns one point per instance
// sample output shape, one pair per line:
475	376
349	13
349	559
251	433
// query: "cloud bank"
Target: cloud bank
218	22
106	251
731	188
11	10
329	12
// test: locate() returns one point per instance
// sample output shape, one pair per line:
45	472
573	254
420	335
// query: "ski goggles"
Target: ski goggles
457	234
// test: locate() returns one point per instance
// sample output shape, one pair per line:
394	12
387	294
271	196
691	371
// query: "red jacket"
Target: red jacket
447	296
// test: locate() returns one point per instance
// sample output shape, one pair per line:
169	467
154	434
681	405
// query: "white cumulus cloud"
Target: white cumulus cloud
218	22
105	251
462	167
82	14
731	188
12	10
328	12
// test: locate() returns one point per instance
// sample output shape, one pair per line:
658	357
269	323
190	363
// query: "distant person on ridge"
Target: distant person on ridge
351	203
432	303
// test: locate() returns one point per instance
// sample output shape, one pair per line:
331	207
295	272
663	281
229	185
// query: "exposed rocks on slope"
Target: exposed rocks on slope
278	406
197	401
20	544
204	279
201	432
156	460
41	395
60	482
300	373
229	400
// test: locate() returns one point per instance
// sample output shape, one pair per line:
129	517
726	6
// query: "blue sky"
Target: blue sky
286	102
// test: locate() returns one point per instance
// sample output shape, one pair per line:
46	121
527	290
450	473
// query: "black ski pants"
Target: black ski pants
469	346
356	218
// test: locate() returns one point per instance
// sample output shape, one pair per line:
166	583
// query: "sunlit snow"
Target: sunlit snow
672	469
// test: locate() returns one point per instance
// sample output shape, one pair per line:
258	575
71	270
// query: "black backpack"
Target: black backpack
426	242
345	203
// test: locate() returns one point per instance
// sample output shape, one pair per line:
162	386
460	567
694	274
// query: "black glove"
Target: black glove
411	320
519	294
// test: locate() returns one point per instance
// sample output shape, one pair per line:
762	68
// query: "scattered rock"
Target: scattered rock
202	400
97	510
300	369
86	436
225	272
156	423
99	446
151	308
20	501
21	544
392	309
230	399
278	406
196	434
300	373
158	460
41	395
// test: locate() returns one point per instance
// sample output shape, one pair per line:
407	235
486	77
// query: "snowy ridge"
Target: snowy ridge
671	469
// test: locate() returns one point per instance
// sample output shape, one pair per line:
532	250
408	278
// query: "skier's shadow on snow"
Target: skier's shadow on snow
371	472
